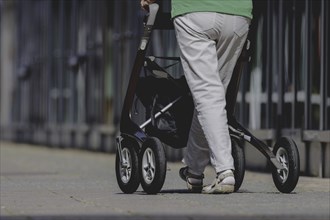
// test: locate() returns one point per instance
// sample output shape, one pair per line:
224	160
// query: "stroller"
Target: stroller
140	156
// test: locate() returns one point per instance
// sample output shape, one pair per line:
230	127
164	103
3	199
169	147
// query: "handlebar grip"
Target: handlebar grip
150	21
153	10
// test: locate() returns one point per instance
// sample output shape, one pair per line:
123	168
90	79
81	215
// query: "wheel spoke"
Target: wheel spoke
152	164
145	168
125	158
282	157
149	156
152	172
126	168
148	166
127	175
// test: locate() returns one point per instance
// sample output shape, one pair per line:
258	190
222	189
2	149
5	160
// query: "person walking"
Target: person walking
210	35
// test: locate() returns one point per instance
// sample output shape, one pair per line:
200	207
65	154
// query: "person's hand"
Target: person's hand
146	3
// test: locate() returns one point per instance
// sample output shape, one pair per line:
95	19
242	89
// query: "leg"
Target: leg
197	148
201	46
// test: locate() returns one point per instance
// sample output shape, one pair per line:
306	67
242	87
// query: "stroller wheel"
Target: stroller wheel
287	154
127	172
152	165
239	162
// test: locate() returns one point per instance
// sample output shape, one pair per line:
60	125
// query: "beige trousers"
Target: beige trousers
210	44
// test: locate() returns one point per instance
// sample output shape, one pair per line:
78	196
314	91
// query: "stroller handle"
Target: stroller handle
153	10
158	20
151	18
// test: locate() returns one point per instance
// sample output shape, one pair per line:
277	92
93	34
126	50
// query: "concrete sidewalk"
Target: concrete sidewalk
43	183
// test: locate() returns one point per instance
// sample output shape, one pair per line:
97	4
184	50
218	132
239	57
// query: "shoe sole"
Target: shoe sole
221	189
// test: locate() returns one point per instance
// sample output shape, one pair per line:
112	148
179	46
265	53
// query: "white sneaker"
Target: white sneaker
223	183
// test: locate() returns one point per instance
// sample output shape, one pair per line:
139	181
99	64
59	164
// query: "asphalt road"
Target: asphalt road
44	183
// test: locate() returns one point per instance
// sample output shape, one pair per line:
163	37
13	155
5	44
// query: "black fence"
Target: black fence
72	59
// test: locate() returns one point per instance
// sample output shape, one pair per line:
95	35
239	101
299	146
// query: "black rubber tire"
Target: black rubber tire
288	147
239	162
153	183
128	186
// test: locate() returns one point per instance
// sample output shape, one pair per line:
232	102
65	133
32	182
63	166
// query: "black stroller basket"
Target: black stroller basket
140	157
170	125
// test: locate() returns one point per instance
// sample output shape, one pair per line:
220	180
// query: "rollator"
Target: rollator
140	155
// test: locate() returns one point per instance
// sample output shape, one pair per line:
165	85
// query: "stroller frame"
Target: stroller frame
283	157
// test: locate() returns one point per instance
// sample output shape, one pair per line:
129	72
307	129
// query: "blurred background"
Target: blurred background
65	66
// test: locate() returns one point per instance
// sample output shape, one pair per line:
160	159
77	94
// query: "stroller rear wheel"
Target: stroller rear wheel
239	162
127	172
286	153
152	165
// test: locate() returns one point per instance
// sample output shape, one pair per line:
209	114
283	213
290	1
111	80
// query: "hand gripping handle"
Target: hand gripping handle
151	18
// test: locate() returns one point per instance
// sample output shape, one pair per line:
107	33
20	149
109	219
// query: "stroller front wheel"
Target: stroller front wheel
287	154
127	172
152	165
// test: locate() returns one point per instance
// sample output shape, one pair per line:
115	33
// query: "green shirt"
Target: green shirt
233	7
